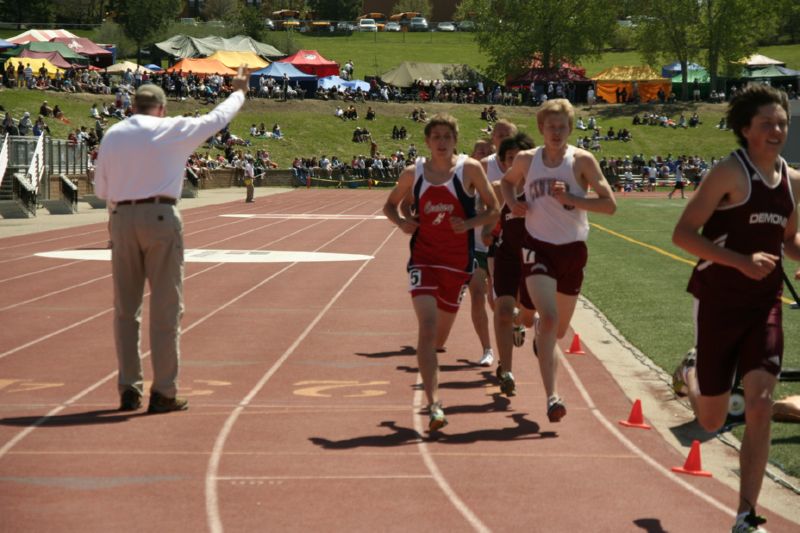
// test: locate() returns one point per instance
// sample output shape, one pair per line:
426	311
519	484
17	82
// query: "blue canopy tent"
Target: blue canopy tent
333	81
6	44
276	70
154	67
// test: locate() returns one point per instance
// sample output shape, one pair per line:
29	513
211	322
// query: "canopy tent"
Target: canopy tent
276	70
186	46
335	81
311	62
407	72
6	44
201	65
122	66
40	36
153	67
671	70
700	76
53	57
758	61
769	72
647	80
85	47
35	63
235	58
37	46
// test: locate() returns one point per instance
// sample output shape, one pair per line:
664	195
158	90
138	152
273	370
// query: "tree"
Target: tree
336	9
20	11
513	32
142	20
726	29
419	6
220	9
79	11
669	30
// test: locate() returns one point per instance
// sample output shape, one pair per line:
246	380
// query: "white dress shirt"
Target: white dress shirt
145	156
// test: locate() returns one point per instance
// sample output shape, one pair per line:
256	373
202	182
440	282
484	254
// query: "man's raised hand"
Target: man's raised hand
240	81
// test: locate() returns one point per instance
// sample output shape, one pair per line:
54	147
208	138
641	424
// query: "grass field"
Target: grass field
643	293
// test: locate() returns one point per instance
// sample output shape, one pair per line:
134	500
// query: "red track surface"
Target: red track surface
304	406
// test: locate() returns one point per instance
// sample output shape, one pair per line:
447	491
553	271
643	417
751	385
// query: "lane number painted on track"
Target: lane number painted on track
325	388
12	386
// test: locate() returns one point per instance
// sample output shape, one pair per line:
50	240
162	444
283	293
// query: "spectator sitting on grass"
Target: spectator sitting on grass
339	113
580	125
276	132
45	110
25	125
636	119
694	120
723	125
370	113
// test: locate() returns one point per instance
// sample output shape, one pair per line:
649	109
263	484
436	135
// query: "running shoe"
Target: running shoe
679	383
507	384
488	358
437	418
556	410
749	523
519	335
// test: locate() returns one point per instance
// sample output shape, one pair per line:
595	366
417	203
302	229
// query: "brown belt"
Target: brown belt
152	200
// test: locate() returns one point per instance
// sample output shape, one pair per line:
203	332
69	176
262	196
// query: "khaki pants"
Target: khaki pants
147	245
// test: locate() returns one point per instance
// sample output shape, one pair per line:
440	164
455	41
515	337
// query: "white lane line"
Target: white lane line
638	451
427	458
110	309
313	478
308	216
212	497
27	431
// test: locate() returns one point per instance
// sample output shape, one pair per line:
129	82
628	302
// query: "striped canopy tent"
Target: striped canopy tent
201	66
6	44
81	45
760	61
623	77
40	36
234	58
35	63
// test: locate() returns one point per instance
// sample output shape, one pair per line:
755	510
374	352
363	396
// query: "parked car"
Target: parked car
345	26
392	26
445	26
466	25
367	25
189	22
268	24
418	24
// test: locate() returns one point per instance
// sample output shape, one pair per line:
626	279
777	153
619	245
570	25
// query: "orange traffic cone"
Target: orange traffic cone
575	347
635	419
692	465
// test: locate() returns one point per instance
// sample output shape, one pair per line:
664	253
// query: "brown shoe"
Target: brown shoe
130	400
161	404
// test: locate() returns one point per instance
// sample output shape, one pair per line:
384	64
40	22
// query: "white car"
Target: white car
367	25
392	26
445	26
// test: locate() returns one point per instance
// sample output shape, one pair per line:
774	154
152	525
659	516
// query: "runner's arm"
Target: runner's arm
512	178
590	174
396	197
791	243
475	178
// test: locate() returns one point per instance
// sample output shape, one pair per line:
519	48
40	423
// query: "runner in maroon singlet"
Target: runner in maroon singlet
742	215
442	245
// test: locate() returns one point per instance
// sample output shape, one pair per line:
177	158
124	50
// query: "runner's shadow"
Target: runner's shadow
402	436
651	525
442	368
525	429
498	403
405	350
463	385
101	416
690	431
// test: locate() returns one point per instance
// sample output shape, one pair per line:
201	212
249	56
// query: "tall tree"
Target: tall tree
220	9
142	20
79	11
336	9
512	32
669	30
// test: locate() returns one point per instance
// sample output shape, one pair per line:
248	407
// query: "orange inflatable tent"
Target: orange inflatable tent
623	77
201	66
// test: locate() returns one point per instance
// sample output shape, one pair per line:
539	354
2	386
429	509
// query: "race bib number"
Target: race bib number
528	256
415	277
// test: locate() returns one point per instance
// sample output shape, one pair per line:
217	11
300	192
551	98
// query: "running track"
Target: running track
305	403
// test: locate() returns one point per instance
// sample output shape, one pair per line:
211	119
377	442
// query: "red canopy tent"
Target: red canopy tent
85	47
54	57
538	74
311	62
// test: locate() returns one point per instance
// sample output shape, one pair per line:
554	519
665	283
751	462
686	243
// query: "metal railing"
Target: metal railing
3	158
36	167
60	157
